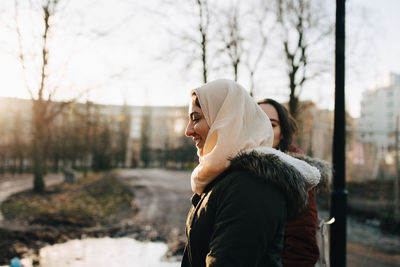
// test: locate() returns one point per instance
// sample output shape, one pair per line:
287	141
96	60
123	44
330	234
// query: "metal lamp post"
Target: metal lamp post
339	195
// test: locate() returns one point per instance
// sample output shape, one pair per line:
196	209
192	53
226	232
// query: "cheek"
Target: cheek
277	133
202	129
197	129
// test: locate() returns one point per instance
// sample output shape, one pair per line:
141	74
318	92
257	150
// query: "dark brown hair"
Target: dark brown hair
287	123
196	98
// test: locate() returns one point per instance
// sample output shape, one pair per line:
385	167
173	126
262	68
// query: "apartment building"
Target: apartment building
379	109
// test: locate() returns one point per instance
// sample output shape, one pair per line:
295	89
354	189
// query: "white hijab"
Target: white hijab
236	123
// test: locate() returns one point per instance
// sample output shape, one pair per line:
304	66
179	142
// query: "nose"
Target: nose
189	129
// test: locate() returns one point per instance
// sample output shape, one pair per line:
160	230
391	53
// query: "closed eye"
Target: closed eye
274	123
195	116
195	119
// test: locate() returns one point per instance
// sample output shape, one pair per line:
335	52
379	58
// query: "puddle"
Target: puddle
105	252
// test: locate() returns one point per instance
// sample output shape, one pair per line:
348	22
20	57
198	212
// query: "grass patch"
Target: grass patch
97	199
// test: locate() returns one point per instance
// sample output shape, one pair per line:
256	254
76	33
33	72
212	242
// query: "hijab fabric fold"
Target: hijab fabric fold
236	123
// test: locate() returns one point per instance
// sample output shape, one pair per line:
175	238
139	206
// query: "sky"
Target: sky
116	52
380	52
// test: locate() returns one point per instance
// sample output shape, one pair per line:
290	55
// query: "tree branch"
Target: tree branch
21	50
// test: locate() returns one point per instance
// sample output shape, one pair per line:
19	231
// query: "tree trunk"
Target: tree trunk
38	167
251	83
235	70
39	145
21	164
293	101
85	162
203	25
55	163
204	56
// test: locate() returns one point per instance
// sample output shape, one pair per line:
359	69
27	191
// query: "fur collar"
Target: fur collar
324	168
294	177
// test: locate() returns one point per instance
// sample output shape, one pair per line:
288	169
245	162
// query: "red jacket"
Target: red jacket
301	249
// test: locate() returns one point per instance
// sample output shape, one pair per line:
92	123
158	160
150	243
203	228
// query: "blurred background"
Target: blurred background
93	86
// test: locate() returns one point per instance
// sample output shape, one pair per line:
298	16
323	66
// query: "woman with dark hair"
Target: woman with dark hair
282	122
300	248
244	190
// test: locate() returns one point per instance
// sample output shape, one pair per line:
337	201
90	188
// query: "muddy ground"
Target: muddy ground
163	199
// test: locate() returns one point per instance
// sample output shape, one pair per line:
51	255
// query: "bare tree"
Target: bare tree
192	42
87	136
303	27
43	110
102	150
259	36
35	61
43	79
124	127
245	29
217	36
253	66
18	143
145	149
203	25
233	38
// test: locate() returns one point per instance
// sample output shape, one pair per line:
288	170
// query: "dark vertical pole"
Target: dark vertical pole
339	195
396	179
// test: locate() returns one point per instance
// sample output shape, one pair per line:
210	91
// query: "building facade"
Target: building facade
127	136
379	109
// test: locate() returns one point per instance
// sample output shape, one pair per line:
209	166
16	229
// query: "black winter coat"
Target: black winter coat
239	219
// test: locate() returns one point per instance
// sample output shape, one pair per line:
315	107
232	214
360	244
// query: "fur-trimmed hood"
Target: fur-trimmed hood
324	168
294	176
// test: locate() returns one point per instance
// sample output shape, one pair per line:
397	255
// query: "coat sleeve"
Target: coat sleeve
248	216
301	249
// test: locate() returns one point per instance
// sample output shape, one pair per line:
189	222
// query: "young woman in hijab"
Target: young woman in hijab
300	245
244	189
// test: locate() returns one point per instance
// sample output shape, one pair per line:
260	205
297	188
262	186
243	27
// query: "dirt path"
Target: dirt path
366	256
163	198
368	246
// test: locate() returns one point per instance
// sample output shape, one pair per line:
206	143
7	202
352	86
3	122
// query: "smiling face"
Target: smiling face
274	118
197	127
